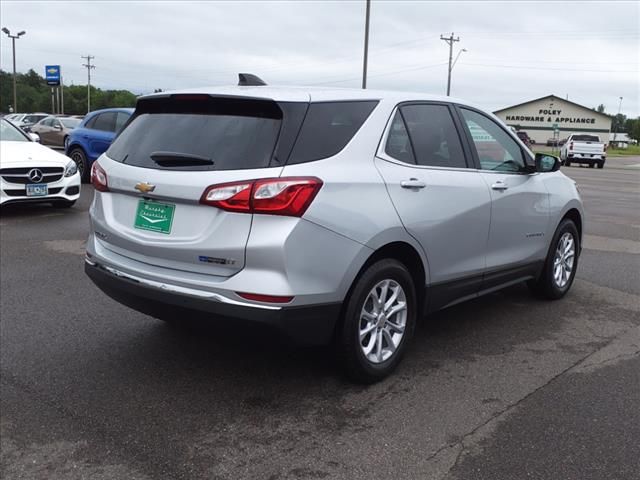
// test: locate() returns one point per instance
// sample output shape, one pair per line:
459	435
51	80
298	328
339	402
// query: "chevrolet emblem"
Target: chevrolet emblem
145	187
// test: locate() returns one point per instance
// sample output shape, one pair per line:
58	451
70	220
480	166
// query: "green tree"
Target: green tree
618	123
34	95
632	127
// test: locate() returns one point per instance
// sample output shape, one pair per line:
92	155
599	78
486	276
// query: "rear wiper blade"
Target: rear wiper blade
177	159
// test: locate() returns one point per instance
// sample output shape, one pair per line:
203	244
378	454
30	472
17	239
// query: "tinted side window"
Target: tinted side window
496	149
398	144
327	129
121	119
434	136
92	121
48	122
106	121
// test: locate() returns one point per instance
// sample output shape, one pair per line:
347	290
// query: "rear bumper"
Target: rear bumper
586	157
307	325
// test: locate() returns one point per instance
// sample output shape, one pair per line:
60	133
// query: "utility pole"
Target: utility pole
88	66
13	42
366	46
450	40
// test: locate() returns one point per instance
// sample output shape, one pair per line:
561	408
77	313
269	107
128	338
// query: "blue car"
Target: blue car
94	135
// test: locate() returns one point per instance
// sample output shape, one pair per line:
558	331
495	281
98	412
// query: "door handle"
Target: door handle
412	183
499	185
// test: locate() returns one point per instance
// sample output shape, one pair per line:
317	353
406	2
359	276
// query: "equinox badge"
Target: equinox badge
145	187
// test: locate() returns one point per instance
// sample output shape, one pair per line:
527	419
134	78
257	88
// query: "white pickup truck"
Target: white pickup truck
584	148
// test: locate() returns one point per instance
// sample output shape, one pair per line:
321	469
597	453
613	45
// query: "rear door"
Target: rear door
519	200
442	202
177	147
102	133
45	129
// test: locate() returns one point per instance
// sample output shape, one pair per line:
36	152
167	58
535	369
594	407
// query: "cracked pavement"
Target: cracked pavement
503	387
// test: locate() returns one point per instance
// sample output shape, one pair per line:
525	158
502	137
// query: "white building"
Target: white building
620	140
541	116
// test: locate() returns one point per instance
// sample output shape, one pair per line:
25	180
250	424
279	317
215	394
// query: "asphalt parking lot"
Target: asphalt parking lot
504	387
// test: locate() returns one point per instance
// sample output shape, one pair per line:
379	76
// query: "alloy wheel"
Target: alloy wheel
564	259
383	320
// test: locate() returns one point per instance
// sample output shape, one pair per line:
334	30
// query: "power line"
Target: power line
89	67
523	67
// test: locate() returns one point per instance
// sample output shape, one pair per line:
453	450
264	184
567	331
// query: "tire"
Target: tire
77	155
567	163
592	164
64	203
600	164
548	285
396	331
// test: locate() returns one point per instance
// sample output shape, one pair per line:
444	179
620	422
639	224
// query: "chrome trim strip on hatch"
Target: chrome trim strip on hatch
178	289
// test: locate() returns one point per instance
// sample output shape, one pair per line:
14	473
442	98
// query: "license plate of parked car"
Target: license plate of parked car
37	190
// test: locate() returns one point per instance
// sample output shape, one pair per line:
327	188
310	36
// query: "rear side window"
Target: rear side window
398	144
208	134
434	136
327	129
91	122
106	122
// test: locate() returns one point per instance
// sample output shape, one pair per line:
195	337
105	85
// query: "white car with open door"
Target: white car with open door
30	172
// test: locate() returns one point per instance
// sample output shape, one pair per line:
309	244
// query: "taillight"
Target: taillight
289	196
265	298
99	178
233	197
571	146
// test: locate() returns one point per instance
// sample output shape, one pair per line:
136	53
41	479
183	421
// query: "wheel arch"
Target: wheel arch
406	254
575	216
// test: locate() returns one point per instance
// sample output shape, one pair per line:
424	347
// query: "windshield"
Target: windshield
70	122
9	133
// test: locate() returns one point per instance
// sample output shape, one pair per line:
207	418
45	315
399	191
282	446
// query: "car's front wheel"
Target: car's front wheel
379	319
600	164
561	263
78	156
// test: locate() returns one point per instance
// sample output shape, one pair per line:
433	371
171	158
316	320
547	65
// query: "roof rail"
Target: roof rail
249	80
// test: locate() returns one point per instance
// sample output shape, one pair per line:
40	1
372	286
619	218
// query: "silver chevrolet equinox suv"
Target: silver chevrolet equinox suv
335	215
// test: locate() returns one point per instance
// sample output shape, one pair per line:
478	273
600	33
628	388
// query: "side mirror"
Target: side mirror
547	163
57	126
34	137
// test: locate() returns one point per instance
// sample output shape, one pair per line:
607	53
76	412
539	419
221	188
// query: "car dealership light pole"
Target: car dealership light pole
13	41
615	130
366	46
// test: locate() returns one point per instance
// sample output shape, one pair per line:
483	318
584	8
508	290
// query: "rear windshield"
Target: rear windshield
200	134
585	138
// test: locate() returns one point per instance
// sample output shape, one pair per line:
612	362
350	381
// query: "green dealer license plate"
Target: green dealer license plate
154	216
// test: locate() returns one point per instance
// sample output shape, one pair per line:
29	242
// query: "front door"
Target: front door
442	203
520	202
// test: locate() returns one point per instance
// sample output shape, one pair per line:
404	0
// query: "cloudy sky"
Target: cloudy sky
516	51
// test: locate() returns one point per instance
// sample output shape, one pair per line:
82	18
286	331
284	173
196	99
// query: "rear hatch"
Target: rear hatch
174	148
